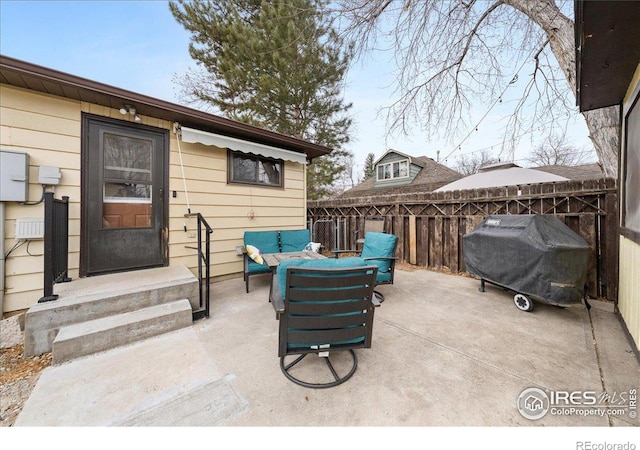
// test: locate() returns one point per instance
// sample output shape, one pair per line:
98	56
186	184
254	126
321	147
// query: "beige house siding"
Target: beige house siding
629	280
629	287
48	128
226	207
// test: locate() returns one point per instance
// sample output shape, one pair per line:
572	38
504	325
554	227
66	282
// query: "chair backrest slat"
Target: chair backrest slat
319	308
327	322
327	295
332	337
320	281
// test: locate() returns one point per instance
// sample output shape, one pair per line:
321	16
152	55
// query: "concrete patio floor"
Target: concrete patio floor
443	354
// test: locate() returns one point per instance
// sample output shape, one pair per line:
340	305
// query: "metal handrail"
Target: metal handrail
56	244
204	257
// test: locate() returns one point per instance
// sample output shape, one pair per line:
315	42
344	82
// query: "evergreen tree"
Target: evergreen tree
369	168
274	64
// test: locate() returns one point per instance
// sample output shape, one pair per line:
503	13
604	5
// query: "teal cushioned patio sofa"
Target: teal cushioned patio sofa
282	241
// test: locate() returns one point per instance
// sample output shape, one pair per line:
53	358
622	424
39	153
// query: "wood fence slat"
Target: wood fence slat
438	245
453	248
462	230
424	247
412	240
432	242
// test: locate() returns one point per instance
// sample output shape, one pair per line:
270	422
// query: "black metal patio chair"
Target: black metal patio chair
322	311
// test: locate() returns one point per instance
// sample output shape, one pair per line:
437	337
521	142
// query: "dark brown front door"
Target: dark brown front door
124	196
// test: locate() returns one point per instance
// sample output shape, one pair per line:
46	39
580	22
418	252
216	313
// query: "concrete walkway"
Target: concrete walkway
443	354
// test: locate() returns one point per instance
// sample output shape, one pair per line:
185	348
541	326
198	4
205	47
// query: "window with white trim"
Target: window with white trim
393	170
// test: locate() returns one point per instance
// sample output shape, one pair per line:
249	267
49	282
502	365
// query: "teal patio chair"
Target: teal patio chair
378	249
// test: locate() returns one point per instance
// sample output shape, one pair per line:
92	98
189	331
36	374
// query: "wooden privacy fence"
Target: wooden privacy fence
430	226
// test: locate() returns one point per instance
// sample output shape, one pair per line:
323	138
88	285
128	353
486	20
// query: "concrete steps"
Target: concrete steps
85	300
98	335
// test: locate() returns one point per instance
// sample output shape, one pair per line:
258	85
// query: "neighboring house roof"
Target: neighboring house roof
25	75
431	176
581	172
501	174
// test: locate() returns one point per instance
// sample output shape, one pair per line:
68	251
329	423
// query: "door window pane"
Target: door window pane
127	158
127	179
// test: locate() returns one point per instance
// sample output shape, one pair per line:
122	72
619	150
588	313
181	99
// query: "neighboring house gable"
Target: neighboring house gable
397	172
395	169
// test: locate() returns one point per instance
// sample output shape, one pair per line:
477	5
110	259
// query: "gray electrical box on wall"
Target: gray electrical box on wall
14	176
49	175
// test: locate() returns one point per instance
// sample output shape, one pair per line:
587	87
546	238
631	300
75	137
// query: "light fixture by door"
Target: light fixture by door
131	110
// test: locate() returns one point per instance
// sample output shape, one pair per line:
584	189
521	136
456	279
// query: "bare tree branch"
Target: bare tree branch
453	54
556	150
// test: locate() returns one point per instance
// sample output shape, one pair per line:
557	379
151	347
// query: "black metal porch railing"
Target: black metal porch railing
56	244
204	258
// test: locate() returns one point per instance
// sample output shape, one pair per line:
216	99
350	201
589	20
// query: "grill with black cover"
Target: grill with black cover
533	255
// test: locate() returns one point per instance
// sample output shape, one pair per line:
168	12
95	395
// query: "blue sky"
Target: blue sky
137	45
